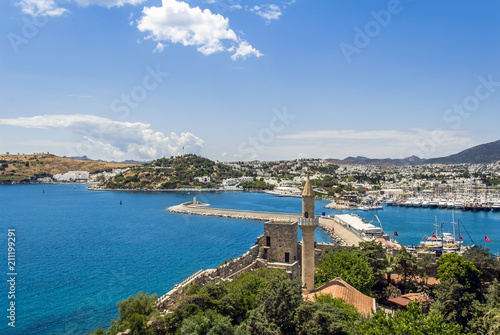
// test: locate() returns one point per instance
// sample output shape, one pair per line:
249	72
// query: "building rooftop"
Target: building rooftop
340	289
404	300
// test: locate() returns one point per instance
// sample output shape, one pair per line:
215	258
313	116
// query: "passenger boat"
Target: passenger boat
444	242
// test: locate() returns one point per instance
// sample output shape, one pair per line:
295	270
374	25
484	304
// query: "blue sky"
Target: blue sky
241	80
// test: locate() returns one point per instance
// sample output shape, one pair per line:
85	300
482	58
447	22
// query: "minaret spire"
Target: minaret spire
308	199
308	224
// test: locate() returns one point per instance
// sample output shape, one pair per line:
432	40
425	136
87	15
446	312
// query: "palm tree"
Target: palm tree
492	322
390	266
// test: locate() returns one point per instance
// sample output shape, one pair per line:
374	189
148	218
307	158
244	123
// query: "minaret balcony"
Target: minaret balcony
309	221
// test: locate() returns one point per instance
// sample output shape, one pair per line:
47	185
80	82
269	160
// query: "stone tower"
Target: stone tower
308	223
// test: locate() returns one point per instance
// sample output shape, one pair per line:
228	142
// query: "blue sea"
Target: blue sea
79	252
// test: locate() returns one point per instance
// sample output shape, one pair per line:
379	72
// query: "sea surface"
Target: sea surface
79	252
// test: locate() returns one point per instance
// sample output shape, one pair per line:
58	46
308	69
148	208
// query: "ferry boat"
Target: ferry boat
444	242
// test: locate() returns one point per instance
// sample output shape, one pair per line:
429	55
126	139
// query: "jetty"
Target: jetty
333	227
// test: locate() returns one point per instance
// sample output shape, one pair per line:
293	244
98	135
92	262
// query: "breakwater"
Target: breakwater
337	232
203	209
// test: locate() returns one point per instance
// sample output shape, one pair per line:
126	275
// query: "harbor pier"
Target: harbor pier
328	224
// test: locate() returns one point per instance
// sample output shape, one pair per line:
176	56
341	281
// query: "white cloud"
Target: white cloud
267	11
177	22
109	3
52	8
244	50
41	7
113	139
159	48
378	143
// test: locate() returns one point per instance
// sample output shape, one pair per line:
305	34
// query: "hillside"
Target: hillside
173	173
480	154
412	160
483	153
21	167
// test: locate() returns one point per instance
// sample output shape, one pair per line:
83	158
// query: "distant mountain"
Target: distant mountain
483	153
128	161
131	161
412	160
85	158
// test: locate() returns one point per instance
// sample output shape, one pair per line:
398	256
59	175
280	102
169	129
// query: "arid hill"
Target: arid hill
21	167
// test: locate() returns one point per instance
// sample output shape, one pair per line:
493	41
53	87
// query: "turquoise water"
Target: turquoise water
79	252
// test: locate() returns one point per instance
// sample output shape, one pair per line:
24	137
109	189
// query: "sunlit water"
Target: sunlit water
79	252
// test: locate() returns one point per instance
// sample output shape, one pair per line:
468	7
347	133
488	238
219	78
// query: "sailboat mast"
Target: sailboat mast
459	239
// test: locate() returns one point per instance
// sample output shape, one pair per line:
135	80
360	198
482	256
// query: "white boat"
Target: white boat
495	207
433	204
445	242
426	203
442	204
416	203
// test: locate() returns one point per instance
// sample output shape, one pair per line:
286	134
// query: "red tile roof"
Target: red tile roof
340	289
404	300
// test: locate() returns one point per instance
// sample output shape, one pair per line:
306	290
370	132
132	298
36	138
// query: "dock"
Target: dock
349	237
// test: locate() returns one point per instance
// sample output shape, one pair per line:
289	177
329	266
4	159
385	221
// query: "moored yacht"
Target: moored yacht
433	204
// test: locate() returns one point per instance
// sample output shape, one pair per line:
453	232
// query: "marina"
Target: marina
107	251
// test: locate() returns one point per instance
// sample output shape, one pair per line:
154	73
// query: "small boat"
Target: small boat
433	204
495	207
120	202
416	203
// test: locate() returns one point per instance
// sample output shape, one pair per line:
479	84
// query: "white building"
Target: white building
72	176
204	179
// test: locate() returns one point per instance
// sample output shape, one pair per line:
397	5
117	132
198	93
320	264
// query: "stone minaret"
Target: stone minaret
308	224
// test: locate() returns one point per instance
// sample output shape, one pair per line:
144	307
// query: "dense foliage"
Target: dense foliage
268	302
348	265
173	173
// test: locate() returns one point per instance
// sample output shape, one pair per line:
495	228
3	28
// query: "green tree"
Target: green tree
406	265
453	268
390	266
484	261
492	322
137	324
320	319
374	253
278	301
424	264
207	323
493	295
411	321
459	306
142	304
347	265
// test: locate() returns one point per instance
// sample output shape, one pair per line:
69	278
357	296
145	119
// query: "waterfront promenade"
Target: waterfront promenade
349	237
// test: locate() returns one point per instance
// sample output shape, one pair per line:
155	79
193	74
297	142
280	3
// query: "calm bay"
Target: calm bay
79	252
